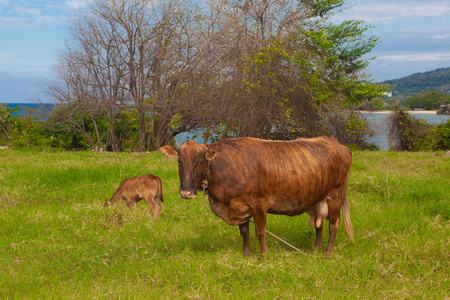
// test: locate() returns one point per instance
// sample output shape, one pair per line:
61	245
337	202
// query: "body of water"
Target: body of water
28	108
377	120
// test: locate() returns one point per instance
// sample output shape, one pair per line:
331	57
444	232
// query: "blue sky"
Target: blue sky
414	37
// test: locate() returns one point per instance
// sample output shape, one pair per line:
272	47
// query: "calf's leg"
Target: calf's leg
156	209
131	204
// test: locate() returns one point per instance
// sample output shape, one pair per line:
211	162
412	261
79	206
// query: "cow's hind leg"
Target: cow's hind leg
244	230
335	202
319	231
334	225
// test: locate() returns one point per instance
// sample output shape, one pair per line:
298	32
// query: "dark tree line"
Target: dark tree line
430	100
275	69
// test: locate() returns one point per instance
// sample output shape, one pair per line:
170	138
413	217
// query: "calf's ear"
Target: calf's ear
211	154
169	151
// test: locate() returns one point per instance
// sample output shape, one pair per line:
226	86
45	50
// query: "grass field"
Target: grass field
58	241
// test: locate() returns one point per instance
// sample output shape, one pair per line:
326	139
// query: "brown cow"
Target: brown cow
249	177
132	190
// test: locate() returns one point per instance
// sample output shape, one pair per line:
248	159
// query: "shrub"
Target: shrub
351	129
407	133
441	137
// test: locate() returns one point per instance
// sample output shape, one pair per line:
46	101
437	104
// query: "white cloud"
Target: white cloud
5	56
25	11
76	4
444	36
32	13
371	10
417	57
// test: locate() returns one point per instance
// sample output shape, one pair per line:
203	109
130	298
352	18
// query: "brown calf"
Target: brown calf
132	190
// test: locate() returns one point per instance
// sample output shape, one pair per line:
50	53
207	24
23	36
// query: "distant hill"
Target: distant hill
437	80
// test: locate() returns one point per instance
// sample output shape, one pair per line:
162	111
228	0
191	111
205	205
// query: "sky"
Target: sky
414	37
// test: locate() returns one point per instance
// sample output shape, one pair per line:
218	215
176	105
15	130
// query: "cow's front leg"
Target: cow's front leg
244	229
259	216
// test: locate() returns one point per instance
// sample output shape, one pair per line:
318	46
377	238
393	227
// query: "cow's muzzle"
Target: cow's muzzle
186	194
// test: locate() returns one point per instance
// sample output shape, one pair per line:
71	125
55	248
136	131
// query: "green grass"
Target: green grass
58	241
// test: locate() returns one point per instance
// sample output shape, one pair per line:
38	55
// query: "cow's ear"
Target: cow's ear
211	154
169	151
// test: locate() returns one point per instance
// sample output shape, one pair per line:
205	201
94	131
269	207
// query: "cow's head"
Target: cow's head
193	163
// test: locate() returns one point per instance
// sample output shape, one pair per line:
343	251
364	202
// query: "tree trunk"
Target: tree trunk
6	134
141	147
150	136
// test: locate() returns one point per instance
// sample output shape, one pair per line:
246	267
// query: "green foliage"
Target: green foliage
127	129
414	133
87	130
343	48
59	242
5	114
356	127
441	137
30	130
294	82
5	121
323	8
22	130
351	129
372	105
91	131
378	103
407	133
429	100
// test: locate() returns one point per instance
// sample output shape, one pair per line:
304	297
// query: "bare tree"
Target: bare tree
99	53
155	39
78	103
278	79
138	53
258	84
246	68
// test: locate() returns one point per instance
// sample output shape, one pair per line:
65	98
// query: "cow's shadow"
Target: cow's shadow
219	237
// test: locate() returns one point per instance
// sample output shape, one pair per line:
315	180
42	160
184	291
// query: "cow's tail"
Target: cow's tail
347	222
159	192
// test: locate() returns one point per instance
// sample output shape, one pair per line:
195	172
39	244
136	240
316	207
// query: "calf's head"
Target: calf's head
193	164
